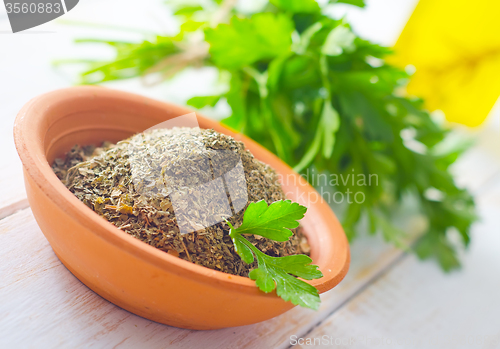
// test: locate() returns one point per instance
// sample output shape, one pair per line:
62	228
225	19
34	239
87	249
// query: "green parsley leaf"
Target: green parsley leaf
248	40
330	123
203	101
188	10
272	273
274	221
437	246
359	3
297	6
325	135
269	277
339	39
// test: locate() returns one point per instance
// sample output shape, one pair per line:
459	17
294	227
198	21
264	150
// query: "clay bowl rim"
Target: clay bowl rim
36	165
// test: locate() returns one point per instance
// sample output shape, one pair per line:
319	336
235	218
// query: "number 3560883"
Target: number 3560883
41	7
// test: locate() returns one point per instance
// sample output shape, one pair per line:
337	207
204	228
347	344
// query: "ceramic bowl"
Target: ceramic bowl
124	270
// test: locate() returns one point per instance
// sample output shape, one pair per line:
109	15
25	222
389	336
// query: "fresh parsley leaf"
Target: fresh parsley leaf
297	6
188	10
437	246
203	101
330	123
269	277
339	39
133	59
325	136
247	40
359	3
274	222
305	37
242	249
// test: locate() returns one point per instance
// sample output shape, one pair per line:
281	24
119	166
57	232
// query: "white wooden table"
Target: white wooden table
389	299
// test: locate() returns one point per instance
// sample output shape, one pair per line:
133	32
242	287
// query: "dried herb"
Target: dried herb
274	222
121	182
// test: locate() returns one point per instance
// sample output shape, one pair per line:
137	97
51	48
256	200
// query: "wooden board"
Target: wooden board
386	293
54	309
12	193
416	305
41	297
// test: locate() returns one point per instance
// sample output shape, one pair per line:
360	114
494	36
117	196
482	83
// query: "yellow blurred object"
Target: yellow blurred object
455	48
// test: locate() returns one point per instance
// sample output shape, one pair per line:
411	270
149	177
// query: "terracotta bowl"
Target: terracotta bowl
123	269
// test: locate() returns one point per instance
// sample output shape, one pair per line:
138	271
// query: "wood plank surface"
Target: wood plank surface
414	304
44	304
54	309
385	294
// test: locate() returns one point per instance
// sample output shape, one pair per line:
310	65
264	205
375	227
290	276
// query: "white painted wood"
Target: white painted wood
12	194
42	303
417	306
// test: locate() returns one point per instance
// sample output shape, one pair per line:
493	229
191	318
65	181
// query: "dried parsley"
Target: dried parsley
134	183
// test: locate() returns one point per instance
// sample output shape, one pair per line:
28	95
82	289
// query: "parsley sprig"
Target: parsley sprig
274	222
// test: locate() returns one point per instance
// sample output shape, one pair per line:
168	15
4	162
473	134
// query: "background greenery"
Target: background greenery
306	87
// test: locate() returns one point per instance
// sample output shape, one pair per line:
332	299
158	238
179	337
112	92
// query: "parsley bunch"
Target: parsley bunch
306	87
